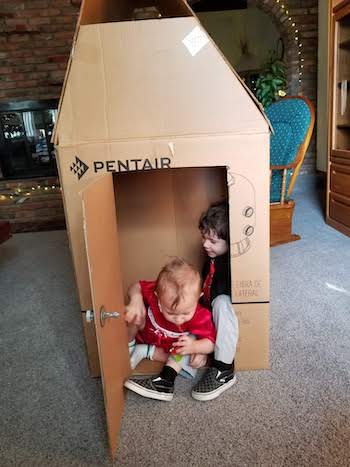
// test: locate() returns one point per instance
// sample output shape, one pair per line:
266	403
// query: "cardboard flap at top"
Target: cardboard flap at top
108	11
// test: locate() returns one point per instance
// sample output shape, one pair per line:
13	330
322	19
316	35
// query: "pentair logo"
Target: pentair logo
79	167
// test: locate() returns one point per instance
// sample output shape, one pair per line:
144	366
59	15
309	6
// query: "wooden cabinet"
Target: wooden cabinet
338	203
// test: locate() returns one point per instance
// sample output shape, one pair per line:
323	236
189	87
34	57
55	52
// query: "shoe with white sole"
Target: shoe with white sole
213	383
153	388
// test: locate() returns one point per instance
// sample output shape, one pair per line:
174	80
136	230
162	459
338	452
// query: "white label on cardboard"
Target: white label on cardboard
195	40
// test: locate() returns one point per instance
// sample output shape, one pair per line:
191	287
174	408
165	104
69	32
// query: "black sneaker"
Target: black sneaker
153	388
213	383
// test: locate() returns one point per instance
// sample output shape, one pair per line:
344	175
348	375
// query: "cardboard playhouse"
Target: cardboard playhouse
153	126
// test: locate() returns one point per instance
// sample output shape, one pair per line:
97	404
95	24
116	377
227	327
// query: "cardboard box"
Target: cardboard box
153	126
254	331
242	182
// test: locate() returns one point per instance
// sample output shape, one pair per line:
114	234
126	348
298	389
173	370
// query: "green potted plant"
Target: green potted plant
271	83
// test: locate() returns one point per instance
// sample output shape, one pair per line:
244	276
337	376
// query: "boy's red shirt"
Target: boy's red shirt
160	332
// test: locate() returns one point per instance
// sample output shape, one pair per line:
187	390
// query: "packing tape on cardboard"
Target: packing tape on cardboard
171	147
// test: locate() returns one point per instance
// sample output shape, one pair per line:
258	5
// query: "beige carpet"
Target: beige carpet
297	414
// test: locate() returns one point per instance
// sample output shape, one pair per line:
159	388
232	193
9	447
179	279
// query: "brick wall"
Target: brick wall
32	205
305	13
35	41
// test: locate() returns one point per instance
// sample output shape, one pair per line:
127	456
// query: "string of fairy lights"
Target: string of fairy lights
284	9
20	193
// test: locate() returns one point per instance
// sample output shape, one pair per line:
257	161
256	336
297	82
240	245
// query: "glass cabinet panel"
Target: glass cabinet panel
341	137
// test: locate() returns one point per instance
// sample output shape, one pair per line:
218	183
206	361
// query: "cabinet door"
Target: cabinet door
101	237
341	89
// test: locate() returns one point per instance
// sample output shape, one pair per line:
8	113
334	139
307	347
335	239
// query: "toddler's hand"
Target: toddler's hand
198	360
185	345
135	312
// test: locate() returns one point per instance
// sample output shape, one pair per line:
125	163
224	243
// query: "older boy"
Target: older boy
220	376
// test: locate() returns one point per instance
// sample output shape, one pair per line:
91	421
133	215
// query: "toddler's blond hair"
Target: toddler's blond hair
183	277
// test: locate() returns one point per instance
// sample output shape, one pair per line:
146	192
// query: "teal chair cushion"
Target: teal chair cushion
290	119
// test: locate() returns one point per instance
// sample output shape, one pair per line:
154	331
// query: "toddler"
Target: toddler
169	326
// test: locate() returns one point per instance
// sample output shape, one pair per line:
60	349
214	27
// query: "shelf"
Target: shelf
343	126
338	204
347	83
345	44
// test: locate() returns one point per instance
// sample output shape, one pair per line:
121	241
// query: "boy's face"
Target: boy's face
213	245
184	311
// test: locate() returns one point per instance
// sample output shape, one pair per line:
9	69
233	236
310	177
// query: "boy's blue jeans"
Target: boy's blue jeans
226	324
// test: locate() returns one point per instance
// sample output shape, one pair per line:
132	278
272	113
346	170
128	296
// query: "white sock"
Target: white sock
138	352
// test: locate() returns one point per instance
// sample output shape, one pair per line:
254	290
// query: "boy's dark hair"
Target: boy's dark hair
215	219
